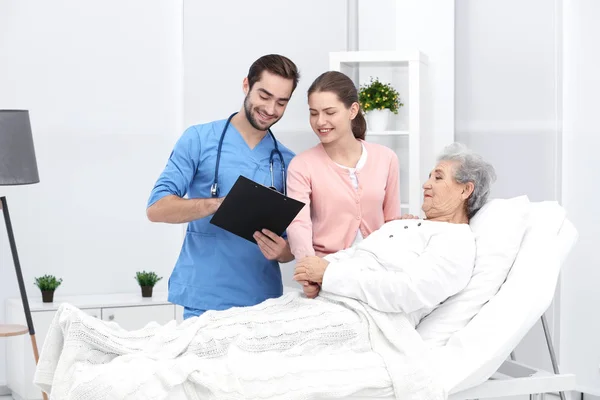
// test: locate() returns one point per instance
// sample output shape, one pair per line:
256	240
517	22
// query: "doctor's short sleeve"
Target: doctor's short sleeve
180	169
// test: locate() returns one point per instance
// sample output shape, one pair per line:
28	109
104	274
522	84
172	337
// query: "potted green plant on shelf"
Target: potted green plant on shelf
378	100
147	280
47	284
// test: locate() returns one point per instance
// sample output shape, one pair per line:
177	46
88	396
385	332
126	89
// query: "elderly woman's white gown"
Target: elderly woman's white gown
356	338
407	266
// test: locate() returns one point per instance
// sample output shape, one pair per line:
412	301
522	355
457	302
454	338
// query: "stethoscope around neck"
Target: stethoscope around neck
214	189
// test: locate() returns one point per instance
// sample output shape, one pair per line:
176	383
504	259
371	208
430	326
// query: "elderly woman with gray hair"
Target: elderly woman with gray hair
356	338
412	265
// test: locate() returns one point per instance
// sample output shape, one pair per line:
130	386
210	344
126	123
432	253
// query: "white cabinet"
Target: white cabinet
132	318
130	311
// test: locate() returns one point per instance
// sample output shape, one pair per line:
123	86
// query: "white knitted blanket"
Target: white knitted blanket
286	348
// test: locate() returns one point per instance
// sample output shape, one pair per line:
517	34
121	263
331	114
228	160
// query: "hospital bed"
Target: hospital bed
476	361
519	304
521	247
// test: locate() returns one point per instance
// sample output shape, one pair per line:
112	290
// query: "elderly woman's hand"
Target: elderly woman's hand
311	290
310	269
408	216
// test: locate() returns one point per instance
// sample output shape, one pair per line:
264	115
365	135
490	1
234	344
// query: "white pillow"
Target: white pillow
498	227
545	217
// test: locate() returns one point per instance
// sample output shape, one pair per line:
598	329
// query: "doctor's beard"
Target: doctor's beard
248	108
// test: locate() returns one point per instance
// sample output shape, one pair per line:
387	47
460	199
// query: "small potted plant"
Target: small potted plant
147	280
378	100
47	284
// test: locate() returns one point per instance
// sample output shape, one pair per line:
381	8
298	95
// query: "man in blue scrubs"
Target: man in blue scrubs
217	270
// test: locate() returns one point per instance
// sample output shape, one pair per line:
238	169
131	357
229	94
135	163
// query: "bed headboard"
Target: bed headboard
475	352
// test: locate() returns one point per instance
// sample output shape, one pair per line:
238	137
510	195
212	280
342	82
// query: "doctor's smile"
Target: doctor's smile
266	117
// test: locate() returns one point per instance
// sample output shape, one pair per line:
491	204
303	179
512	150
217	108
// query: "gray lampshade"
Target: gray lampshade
17	154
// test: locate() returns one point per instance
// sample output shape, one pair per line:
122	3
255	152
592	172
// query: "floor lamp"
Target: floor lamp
18	166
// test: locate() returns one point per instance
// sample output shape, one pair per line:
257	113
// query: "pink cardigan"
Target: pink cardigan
334	209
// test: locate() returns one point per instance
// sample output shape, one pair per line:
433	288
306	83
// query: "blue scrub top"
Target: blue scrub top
217	270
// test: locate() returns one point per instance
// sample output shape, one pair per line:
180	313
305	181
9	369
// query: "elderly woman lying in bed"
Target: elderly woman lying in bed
356	337
412	265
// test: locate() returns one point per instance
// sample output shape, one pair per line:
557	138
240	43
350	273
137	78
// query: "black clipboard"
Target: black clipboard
250	207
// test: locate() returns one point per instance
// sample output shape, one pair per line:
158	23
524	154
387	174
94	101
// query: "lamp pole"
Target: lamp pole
22	290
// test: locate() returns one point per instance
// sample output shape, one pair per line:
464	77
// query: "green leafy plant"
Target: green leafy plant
147	278
47	283
378	96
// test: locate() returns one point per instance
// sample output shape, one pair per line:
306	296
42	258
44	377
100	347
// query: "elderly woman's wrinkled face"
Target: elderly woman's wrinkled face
442	195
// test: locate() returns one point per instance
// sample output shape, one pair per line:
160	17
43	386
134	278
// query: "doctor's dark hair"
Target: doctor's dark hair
343	87
277	65
473	168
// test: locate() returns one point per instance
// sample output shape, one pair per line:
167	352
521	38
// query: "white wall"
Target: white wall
505	90
526	98
214	69
101	81
506	97
429	25
580	297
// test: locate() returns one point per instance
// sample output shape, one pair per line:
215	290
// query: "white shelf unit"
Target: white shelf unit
416	99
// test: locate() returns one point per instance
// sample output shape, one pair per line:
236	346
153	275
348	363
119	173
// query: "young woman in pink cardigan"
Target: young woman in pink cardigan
350	187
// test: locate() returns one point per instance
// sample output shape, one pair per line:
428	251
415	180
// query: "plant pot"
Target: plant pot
47	296
146	291
377	120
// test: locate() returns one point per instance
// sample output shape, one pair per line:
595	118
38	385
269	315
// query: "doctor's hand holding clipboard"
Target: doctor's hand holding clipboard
272	245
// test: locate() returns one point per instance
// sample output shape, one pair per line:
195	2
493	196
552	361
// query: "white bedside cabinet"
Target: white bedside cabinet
129	310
